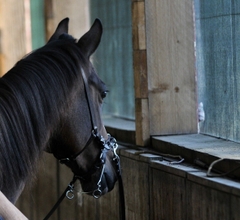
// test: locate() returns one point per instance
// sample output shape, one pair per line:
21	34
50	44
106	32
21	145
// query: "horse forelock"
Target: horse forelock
32	96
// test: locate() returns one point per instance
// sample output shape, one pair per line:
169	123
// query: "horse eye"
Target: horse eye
104	94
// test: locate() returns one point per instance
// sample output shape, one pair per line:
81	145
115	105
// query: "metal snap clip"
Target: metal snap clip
70	194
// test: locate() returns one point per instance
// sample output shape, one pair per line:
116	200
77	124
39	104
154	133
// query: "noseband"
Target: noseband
109	144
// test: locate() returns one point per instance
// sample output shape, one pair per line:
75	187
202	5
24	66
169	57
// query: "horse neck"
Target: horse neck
23	137
30	94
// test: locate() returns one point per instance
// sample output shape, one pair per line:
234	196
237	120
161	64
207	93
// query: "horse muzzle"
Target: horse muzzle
103	180
107	171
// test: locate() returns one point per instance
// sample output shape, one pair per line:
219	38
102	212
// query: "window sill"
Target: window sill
197	149
123	130
201	150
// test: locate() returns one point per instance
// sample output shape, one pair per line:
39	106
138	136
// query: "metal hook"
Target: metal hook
70	193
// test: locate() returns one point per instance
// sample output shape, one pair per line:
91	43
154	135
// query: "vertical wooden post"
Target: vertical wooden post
171	67
77	11
13	32
1	53
164	68
49	16
140	73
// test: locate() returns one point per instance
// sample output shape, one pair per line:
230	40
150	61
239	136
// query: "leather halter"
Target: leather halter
106	145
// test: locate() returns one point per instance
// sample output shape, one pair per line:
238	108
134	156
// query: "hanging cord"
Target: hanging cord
221	174
164	156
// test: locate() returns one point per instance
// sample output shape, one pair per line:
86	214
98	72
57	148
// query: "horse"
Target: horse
51	101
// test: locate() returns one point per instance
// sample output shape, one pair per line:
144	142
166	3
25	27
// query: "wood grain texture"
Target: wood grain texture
76	10
142	122
171	67
207	203
38	198
140	74
168	196
136	183
217	53
138	25
13	37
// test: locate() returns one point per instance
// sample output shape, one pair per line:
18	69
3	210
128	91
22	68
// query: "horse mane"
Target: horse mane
32	96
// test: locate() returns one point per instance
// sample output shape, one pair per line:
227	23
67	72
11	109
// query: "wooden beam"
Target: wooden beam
13	33
171	67
77	11
140	73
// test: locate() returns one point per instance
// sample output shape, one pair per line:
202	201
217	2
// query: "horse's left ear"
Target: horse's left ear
90	40
62	28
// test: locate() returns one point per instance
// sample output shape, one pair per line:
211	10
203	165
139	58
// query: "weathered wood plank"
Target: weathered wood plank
44	192
13	37
168	198
136	181
138	25
207	203
234	207
38	198
67	208
142	122
77	11
110	203
140	74
171	67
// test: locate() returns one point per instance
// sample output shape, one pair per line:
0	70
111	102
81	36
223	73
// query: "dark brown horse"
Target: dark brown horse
51	101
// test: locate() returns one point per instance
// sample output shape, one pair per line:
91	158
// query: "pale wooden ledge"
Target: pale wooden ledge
201	148
123	130
192	147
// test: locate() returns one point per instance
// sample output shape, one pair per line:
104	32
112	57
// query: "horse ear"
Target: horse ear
90	40
61	29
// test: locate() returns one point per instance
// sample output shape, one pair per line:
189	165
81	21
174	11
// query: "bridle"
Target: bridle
110	144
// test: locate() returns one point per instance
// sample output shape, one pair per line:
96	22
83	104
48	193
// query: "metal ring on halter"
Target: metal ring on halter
70	194
97	193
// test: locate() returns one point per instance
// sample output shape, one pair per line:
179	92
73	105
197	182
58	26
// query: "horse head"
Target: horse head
80	140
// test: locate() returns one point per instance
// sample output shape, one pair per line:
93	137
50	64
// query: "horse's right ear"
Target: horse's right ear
90	40
61	29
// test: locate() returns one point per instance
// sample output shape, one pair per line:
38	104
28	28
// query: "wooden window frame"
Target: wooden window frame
156	127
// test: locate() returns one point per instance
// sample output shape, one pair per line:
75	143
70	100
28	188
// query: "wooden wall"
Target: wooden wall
14	42
217	62
76	10
164	68
15	25
165	98
113	58
154	189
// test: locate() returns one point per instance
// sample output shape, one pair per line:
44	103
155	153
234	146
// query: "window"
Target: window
113	58
218	69
37	23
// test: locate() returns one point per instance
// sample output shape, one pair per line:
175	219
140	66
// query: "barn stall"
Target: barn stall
147	58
